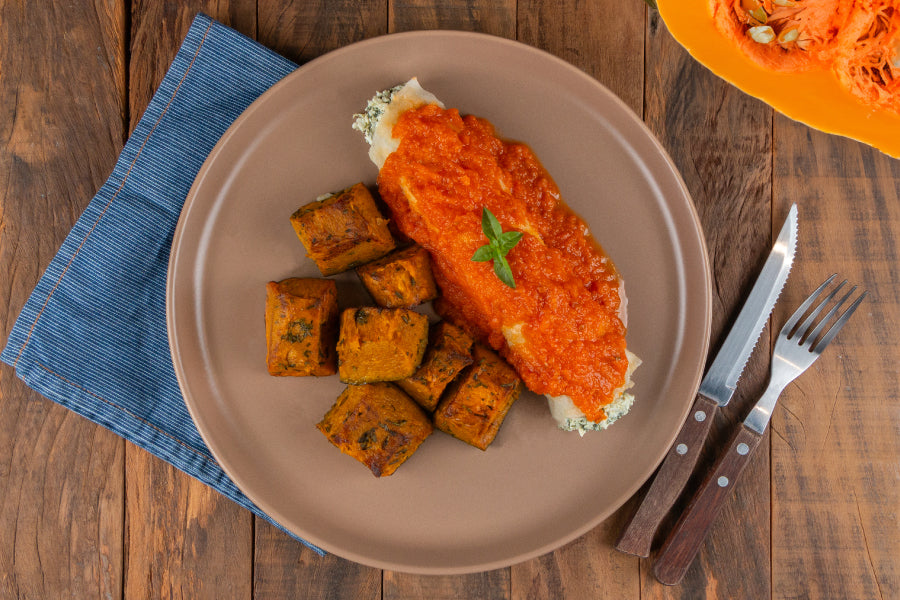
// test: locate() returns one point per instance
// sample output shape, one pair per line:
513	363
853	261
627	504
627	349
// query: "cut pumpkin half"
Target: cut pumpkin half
831	64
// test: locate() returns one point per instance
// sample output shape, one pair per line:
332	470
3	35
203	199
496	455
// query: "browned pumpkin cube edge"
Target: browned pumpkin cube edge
401	279
377	424
449	351
301	320
380	344
343	230
476	404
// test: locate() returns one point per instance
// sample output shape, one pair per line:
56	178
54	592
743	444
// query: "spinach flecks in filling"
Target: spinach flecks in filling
367	120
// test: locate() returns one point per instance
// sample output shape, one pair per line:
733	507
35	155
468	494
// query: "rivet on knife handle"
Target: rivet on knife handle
637	538
686	538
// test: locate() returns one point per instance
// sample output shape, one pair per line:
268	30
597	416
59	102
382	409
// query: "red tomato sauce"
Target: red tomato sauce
563	333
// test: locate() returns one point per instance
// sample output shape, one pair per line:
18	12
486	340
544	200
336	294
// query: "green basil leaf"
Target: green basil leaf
508	240
499	243
483	254
502	270
490	225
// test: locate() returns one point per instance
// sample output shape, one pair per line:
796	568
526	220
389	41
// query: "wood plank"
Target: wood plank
302	30
720	140
587	568
581	32
489	584
835	532
496	17
284	568
157	30
61	477
612	51
184	539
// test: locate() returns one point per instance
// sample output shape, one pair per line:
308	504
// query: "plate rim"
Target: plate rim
178	236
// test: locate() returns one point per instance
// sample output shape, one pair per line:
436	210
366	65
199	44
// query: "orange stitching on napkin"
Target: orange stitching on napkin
129	413
114	196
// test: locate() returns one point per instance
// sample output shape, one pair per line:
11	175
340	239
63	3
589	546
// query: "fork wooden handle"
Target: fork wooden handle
687	536
676	469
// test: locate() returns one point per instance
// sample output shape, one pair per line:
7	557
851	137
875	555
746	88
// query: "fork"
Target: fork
796	348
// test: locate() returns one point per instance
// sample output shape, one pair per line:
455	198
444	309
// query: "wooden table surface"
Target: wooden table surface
85	514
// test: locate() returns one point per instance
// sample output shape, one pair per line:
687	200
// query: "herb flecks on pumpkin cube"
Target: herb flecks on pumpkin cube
343	230
474	406
301	327
449	352
377	424
380	344
402	279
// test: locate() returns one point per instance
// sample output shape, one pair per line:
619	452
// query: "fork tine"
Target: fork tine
792	321
803	329
839	323
812	337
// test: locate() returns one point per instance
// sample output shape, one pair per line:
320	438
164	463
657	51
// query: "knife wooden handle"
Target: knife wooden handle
676	469
682	545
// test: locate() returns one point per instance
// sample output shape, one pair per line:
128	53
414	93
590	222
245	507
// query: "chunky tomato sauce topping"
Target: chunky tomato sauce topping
559	327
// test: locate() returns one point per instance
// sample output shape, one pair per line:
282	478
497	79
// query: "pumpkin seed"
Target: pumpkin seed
784	3
749	5
788	35
759	15
762	34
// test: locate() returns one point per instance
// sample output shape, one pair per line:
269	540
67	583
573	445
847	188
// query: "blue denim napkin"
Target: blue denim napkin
92	336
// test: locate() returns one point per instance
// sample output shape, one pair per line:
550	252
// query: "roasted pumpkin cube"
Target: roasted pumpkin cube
380	344
475	405
401	279
449	352
301	327
343	230
377	424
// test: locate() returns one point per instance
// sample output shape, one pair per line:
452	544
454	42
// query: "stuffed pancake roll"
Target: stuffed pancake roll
559	316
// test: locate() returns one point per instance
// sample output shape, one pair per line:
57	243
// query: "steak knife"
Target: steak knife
715	390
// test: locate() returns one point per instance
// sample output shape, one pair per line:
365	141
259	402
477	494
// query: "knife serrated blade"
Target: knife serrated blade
722	377
715	390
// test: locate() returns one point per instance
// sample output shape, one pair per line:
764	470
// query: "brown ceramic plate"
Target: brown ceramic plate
451	508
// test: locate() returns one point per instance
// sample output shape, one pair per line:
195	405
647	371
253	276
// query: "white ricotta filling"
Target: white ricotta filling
377	121
570	418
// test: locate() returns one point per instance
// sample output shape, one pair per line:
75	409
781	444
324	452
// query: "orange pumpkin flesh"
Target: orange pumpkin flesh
870	67
804	31
841	74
